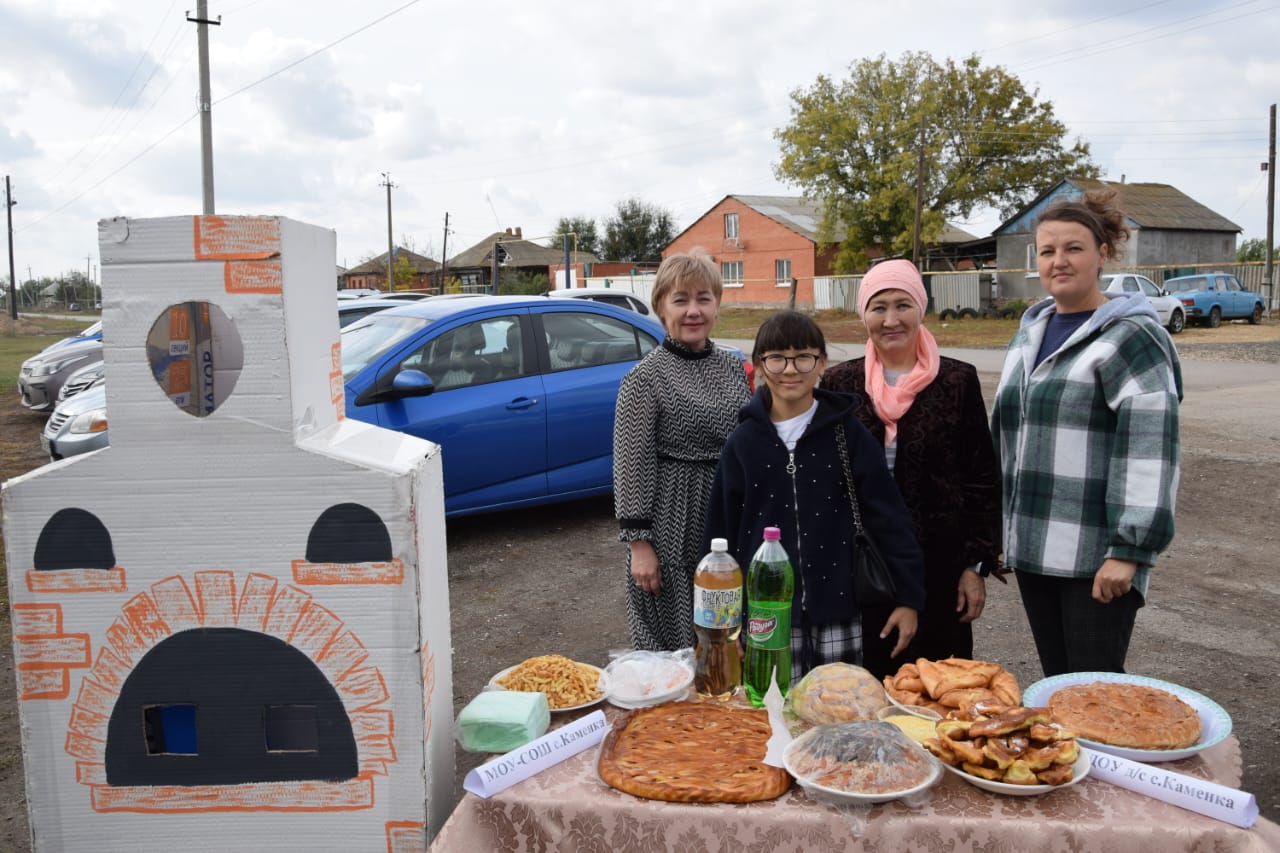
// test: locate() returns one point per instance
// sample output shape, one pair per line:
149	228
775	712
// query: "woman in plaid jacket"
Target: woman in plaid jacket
1085	426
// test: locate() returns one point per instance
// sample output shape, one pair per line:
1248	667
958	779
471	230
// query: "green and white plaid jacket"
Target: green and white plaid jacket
1088	442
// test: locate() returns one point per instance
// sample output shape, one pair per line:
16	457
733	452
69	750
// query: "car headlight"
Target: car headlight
89	422
48	368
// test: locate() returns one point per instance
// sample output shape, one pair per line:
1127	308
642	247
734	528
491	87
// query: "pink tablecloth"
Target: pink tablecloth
567	808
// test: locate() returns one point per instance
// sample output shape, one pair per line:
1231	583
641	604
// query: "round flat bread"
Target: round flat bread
1134	716
692	752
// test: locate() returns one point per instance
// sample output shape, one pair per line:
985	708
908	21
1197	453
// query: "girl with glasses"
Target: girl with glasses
781	468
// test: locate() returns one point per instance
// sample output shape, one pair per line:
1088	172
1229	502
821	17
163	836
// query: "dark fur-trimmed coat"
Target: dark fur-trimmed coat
947	472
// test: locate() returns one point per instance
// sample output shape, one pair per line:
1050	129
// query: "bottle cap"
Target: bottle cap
772	534
719	544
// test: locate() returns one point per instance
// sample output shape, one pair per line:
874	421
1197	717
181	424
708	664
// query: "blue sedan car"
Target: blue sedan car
519	391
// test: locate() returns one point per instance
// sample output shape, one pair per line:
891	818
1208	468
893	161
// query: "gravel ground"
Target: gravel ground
549	580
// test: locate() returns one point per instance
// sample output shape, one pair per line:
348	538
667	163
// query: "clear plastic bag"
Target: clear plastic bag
640	679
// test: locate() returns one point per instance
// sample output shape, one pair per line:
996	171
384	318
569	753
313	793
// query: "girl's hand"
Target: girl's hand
644	567
971	596
904	619
1114	579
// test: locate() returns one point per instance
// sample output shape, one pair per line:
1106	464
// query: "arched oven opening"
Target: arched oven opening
226	706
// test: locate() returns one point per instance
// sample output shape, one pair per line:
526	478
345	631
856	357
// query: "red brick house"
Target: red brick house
373	273
763	242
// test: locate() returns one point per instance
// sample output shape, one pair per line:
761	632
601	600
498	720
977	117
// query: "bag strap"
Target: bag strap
842	445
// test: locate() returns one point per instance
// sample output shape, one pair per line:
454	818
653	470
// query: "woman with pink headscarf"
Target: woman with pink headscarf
928	412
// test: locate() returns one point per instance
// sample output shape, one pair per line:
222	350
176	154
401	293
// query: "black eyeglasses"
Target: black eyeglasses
805	362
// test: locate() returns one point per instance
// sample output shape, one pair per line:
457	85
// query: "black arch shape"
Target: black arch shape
348	533
74	538
231	676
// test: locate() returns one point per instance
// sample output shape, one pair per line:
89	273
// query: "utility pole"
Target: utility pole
386	182
444	253
13	284
202	22
1268	271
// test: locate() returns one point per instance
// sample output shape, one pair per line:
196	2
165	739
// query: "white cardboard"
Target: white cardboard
209	520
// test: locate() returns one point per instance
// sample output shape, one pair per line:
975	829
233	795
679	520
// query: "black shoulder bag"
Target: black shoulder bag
873	583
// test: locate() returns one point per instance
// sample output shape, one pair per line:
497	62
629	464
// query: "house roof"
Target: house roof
1146	206
520	253
803	216
419	263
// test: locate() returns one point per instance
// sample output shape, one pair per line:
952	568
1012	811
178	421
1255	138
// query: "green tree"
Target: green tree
855	145
637	231
403	272
1255	249
582	231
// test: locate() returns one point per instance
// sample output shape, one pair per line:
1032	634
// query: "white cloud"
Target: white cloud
509	114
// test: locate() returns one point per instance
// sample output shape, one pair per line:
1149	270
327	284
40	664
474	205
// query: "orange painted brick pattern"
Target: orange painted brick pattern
341	656
255	602
175	604
77	580
216	598
252	277
286	607
314	630
226	238
406	836
256	797
44	654
323	574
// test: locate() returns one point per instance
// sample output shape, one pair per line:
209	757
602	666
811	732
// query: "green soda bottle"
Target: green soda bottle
770	585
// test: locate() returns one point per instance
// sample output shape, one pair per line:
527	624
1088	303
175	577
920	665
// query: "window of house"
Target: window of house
731	272
1031	256
730	226
782	272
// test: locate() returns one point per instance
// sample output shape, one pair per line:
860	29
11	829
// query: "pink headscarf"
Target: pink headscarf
893	401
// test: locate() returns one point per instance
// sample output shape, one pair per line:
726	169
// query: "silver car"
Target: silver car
82	379
42	375
1172	315
77	425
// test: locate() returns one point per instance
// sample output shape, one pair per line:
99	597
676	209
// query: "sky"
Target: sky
505	115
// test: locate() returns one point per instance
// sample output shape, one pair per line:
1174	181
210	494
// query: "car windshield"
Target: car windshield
1186	285
367	340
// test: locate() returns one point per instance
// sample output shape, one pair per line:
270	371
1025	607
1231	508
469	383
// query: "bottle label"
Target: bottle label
769	624
717	608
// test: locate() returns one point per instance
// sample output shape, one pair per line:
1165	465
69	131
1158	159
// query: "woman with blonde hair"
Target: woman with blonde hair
927	412
675	409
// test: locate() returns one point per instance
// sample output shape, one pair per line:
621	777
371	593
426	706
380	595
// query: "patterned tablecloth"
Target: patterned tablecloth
568	808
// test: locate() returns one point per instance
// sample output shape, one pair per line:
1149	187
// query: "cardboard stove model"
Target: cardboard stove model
231	627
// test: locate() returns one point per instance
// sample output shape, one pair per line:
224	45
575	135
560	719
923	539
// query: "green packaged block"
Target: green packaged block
501	720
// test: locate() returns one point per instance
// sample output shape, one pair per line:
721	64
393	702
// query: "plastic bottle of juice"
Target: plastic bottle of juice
770	585
717	622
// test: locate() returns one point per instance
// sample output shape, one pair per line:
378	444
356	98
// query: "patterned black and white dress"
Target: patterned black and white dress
675	410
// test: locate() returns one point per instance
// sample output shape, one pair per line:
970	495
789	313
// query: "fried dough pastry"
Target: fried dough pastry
952	683
1135	716
1006	743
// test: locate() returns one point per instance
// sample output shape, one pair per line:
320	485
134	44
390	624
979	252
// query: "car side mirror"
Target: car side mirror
406	383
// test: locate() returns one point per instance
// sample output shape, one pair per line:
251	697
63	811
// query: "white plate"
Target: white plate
1079	770
836	794
494	685
1215	723
913	710
671	670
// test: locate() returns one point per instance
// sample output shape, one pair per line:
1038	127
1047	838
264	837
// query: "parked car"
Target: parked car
82	379
77	425
1213	297
609	296
519	391
351	310
41	376
1170	310
357	293
400	295
92	332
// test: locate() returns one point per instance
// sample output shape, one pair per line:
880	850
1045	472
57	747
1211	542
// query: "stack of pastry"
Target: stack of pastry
952	683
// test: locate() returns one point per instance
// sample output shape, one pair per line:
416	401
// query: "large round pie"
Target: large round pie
1134	716
692	752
